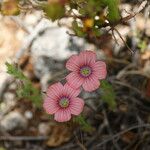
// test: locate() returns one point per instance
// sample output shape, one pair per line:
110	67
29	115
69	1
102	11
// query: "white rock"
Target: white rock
4	79
9	96
28	114
9	100
44	128
14	120
53	43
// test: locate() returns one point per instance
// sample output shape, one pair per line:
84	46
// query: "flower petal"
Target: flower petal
62	115
50	106
76	106
91	84
73	63
87	57
74	80
55	90
99	69
68	90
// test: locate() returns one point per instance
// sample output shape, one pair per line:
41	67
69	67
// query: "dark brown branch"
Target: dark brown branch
124	41
23	138
123	132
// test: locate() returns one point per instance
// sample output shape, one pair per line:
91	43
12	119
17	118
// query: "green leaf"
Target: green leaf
108	94
97	32
90	8
83	123
142	45
12	69
54	11
2	148
78	30
113	9
27	90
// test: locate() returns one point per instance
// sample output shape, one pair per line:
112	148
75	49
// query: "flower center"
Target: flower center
64	102
85	71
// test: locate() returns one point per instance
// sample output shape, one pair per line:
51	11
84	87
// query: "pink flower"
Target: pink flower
86	71
62	101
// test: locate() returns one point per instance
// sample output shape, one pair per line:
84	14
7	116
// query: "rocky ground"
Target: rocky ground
41	49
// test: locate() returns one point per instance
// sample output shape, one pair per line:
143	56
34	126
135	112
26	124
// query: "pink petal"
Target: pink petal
99	69
76	106
68	90
91	84
50	106
74	80
87	57
55	90
73	63
62	115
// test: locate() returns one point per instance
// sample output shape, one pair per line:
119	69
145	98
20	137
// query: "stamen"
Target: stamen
64	102
85	71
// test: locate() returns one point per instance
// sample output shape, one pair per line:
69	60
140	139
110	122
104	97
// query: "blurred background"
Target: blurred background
37	38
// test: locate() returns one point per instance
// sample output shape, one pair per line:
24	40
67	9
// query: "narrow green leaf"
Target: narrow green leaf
12	69
113	9
27	90
108	94
83	123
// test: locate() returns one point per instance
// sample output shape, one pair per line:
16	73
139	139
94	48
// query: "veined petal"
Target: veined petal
62	115
74	80
55	90
50	106
68	90
99	69
73	63
87	57
91	84
76	106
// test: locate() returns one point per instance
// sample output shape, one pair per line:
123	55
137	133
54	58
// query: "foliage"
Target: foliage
83	123
54	11
27	90
2	148
12	69
108	94
142	45
113	10
92	14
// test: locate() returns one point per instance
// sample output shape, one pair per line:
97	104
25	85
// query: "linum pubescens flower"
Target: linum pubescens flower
62	101
86	71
